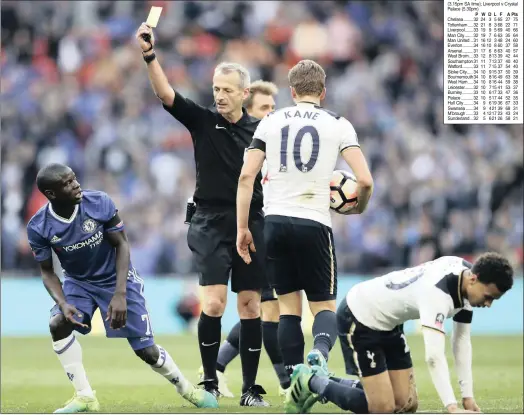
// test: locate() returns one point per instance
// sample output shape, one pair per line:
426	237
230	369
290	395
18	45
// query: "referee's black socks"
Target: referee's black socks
209	332
325	331
250	347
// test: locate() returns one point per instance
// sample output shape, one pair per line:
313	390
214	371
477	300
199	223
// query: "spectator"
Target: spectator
73	91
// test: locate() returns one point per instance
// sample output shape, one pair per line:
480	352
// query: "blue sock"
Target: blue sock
325	331
348	382
345	397
229	349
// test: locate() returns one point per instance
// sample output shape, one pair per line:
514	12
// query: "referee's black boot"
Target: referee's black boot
252	397
211	386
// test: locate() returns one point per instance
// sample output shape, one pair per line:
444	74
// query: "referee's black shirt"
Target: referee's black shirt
219	151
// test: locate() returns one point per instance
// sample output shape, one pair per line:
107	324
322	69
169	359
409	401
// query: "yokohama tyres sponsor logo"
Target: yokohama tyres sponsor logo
91	242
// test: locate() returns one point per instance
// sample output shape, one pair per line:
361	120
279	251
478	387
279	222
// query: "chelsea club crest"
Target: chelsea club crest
89	226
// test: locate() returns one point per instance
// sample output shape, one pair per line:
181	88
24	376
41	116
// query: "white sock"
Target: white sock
166	367
69	353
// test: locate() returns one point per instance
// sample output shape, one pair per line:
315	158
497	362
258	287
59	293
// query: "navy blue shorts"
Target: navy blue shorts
88	297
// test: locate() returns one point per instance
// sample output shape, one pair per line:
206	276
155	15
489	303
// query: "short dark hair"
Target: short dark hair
493	268
48	176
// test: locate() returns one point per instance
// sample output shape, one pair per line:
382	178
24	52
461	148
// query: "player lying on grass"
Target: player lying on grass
260	101
370	322
87	234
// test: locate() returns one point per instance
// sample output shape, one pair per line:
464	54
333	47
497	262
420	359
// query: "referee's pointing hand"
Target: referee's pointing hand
245	244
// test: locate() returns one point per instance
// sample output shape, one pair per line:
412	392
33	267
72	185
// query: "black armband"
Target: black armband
149	58
258	144
464	316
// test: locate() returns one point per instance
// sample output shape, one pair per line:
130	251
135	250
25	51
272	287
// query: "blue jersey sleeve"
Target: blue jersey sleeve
40	247
112	222
107	207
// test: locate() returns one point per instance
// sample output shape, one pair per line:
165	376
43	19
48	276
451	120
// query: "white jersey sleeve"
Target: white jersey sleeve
434	307
262	131
348	135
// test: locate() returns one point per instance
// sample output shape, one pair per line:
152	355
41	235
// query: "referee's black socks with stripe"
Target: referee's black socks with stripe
325	331
291	341
209	332
250	347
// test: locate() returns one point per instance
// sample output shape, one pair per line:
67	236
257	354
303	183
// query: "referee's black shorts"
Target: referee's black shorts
212	239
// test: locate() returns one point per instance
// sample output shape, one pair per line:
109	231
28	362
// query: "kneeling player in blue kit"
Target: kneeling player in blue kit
87	234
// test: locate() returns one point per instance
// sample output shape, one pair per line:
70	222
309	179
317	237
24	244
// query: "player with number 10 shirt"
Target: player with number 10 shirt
301	145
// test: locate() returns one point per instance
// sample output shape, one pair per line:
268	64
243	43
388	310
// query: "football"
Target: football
343	194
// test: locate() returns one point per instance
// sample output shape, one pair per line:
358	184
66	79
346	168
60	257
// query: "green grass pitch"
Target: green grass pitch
33	381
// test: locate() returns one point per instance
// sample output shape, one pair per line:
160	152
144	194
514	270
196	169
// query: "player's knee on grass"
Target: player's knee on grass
381	406
408	408
149	354
410	405
248	303
59	327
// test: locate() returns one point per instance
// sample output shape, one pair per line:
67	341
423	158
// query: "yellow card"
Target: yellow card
154	15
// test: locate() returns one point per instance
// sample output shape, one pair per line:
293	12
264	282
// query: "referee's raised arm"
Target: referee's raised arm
221	133
157	77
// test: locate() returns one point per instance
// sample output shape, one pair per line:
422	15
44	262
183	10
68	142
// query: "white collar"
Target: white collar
60	218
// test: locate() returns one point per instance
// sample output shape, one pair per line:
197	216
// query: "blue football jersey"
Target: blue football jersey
80	241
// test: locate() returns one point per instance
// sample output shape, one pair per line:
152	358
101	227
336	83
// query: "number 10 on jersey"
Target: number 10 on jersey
297	146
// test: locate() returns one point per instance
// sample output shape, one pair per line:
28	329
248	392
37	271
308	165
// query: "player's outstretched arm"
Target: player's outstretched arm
157	77
357	162
252	165
462	353
435	344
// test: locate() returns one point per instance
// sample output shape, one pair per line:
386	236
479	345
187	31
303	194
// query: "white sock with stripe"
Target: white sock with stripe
69	353
167	367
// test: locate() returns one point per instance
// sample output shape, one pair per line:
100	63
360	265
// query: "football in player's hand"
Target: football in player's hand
343	195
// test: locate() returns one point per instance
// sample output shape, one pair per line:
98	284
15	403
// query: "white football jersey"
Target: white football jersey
302	144
429	292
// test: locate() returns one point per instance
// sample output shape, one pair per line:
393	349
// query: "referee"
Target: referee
220	135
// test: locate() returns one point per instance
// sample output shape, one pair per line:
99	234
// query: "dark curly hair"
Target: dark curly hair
493	268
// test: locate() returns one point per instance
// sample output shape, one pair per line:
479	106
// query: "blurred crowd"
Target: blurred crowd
74	89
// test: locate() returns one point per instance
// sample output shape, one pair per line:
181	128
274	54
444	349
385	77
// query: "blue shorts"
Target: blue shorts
87	297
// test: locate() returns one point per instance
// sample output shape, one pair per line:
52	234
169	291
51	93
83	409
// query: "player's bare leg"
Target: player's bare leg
324	332
290	335
379	393
248	304
270	316
404	390
209	332
163	364
69	352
